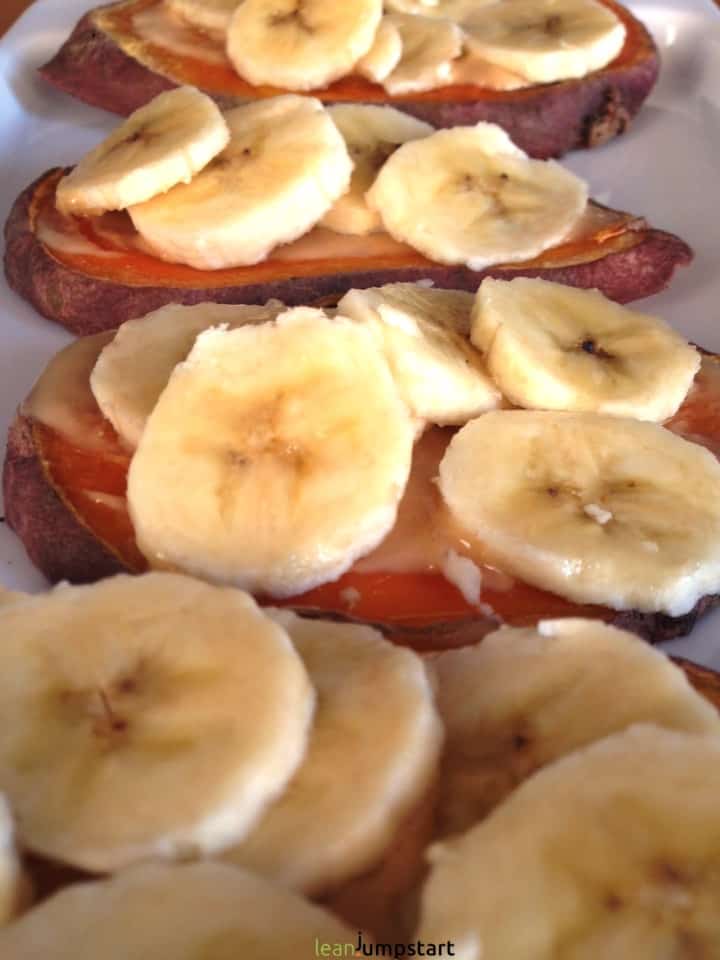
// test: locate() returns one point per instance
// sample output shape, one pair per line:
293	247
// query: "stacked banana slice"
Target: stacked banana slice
272	448
371	134
598	509
483	202
161	718
164	143
303	469
613	851
531	333
525	697
136	690
134	369
283	168
412	45
578	801
142	717
375	706
214	191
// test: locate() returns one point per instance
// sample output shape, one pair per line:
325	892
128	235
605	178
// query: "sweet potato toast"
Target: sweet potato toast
91	274
110	63
65	483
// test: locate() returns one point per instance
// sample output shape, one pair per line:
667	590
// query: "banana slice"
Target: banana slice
143	717
451	309
384	55
457	10
163	912
284	167
595	508
525	697
442	378
275	457
162	144
546	40
469	196
429	47
14	887
376	710
300	44
134	368
371	134
613	851
210	16
552	347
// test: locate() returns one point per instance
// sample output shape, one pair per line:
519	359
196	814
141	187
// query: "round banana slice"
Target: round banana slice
210	16
451	309
442	378
162	144
300	44
14	886
372	758
595	508
384	55
469	196
371	134
276	456
165	912
134	368
283	169
553	347
429	47
546	40
525	697
143	717
613	851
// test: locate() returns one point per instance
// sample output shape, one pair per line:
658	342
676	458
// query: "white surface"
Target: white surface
666	167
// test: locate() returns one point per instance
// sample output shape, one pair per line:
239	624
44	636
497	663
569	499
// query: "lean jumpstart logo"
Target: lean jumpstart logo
398	951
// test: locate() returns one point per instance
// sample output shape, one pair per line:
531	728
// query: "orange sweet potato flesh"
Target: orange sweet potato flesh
106	63
89	291
56	499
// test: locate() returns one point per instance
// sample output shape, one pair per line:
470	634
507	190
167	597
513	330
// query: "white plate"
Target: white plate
665	167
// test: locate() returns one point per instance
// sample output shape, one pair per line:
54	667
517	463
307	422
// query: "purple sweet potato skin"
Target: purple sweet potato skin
546	121
557	117
93	68
56	541
62	548
84	304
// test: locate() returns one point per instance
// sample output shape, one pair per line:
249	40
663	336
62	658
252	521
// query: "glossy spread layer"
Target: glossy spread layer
109	248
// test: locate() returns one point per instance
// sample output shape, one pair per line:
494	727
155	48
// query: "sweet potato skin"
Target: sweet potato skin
547	120
93	68
63	548
56	541
85	304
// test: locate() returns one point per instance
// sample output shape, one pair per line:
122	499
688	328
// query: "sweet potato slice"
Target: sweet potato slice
108	62
90	275
65	498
